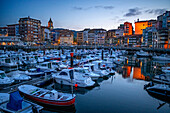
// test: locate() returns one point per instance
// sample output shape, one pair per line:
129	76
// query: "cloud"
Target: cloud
121	20
133	12
77	8
81	8
99	6
104	7
156	11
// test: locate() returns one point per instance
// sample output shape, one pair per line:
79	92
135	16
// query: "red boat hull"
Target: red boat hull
49	102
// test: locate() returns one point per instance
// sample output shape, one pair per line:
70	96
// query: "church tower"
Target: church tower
50	24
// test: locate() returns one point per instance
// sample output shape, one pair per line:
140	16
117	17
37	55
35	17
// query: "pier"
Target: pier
130	49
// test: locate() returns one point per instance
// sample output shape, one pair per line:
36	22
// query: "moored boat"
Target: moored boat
161	90
4	80
68	77
14	103
47	97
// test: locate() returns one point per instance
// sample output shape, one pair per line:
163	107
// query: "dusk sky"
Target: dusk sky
80	14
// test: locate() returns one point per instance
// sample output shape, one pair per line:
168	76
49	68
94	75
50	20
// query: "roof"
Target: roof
50	21
12	24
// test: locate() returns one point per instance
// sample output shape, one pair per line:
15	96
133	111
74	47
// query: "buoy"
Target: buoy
118	59
76	85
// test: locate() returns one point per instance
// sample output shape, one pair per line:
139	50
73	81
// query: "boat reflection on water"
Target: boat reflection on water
60	109
68	89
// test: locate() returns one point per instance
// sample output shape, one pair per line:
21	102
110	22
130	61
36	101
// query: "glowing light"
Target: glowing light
76	85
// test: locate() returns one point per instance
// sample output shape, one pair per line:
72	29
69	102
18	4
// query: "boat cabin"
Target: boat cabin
67	73
2	74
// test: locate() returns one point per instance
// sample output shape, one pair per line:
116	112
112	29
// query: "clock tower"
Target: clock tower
50	24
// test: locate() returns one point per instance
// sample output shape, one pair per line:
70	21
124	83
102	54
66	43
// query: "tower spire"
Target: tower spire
50	24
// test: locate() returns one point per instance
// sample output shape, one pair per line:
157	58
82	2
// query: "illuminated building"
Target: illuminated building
30	29
80	38
139	26
134	40
3	31
85	35
111	36
10	40
150	37
163	26
96	36
128	28
45	34
13	30
50	24
66	37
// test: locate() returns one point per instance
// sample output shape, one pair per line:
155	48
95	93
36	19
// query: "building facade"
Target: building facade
128	29
163	26
3	31
80	38
13	30
30	29
96	36
150	38
45	34
10	40
66	37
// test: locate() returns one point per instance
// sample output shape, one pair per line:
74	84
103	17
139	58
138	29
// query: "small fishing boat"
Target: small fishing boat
4	80
47	97
14	103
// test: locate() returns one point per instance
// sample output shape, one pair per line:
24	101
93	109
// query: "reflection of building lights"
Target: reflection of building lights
140	64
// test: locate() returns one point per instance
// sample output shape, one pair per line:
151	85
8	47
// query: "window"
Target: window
63	73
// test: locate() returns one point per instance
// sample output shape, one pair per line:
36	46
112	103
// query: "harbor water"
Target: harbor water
120	93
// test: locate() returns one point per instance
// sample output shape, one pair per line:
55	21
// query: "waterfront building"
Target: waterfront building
119	32
66	37
50	24
96	36
163	26
134	40
140	25
150	38
80	38
110	36
3	31
45	34
30	29
10	40
128	29
85	35
13	30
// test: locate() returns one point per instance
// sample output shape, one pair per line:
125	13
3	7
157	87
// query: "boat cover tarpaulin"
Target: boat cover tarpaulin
15	101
